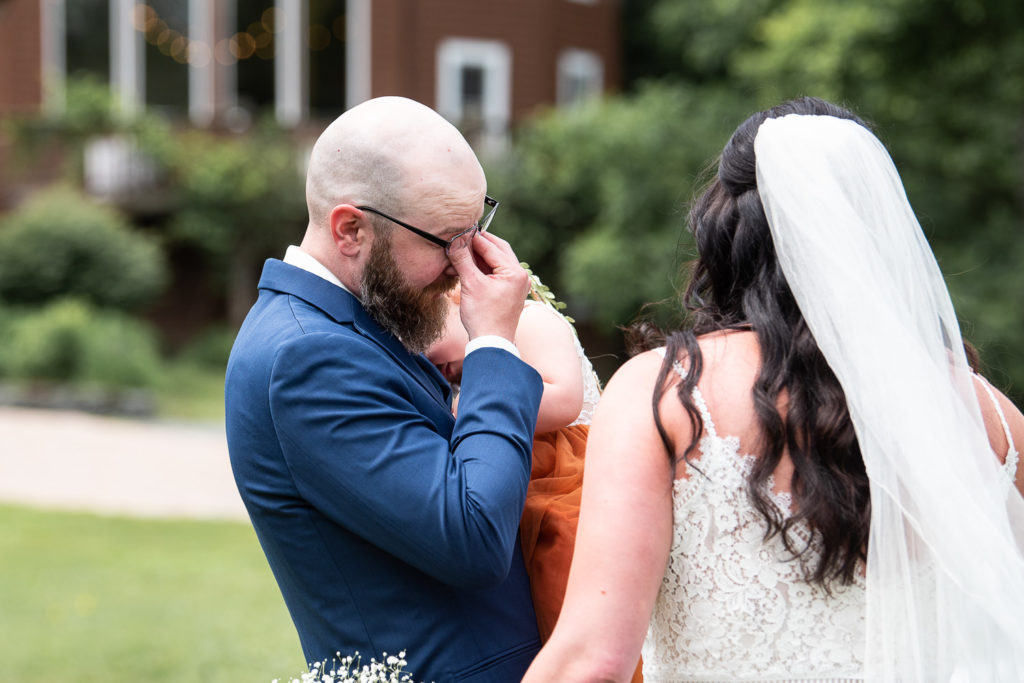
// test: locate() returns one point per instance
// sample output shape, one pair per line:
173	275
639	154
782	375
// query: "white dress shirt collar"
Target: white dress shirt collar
295	256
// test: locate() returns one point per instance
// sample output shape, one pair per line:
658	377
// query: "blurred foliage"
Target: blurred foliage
240	199
238	191
210	349
190	391
237	197
595	198
90	111
69	341
72	355
60	243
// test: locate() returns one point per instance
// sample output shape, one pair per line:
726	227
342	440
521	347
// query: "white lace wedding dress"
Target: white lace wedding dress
733	607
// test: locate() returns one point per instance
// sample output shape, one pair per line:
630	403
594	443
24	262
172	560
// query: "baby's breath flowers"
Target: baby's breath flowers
350	669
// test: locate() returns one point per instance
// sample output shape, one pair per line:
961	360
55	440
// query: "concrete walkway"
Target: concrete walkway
77	461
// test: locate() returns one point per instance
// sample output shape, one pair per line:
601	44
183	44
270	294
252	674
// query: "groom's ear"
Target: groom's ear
350	229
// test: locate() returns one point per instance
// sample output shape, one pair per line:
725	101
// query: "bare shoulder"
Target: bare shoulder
639	372
993	402
627	398
541	319
624	421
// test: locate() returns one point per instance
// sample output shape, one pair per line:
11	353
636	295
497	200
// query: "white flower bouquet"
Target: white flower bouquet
350	669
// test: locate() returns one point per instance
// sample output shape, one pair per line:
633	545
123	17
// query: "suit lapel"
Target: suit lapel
435	375
417	364
344	308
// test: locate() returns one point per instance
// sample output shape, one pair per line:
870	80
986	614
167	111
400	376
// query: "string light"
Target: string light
243	45
256	41
223	52
272	21
319	37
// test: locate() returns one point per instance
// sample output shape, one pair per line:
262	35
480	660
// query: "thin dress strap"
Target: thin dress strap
698	398
1010	464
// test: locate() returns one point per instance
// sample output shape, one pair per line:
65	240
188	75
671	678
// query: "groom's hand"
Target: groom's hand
494	286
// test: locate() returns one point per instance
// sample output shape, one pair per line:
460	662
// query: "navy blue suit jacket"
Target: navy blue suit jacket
388	524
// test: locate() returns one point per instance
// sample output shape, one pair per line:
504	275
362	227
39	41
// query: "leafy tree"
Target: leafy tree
596	196
943	81
240	198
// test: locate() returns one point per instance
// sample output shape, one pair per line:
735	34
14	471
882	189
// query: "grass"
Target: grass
88	599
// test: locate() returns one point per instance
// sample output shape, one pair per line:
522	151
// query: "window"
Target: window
87	32
473	89
580	76
252	44
327	57
164	24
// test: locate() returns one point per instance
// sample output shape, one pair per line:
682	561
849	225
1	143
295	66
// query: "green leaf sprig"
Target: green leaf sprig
542	293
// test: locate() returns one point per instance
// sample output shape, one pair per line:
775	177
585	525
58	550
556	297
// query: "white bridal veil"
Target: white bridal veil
945	570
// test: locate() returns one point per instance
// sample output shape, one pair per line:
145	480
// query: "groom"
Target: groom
388	524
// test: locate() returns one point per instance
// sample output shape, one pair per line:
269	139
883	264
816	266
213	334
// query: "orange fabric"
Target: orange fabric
548	526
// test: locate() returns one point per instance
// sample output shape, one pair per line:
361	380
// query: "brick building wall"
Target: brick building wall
406	35
20	56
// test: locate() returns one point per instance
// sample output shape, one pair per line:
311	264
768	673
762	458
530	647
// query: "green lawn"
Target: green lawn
89	598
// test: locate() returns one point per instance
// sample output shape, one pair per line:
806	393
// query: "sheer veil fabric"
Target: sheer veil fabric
945	570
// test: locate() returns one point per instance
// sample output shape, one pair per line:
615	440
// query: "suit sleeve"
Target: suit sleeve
369	448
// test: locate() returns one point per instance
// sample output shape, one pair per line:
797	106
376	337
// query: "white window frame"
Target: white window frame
127	58
202	93
291	63
358	51
495	59
54	54
577	64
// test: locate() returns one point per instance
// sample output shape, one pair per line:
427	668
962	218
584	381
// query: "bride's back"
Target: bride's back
732	605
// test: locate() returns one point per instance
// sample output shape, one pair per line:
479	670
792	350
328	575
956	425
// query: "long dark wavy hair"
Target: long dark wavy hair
737	284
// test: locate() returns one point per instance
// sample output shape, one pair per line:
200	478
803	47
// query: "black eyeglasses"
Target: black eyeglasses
458	241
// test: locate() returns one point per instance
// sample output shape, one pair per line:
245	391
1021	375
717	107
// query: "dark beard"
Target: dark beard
416	317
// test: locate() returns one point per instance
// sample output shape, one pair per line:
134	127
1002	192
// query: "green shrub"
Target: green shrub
70	341
60	243
210	349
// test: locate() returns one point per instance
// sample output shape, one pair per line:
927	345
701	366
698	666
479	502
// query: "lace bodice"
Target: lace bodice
733	607
591	383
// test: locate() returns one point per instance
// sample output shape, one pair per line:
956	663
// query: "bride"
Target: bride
808	482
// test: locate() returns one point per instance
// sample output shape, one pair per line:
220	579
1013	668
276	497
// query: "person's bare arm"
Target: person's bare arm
546	342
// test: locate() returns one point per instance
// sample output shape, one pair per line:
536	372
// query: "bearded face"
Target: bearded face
415	316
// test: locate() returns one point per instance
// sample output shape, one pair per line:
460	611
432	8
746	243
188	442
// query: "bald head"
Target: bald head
388	152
